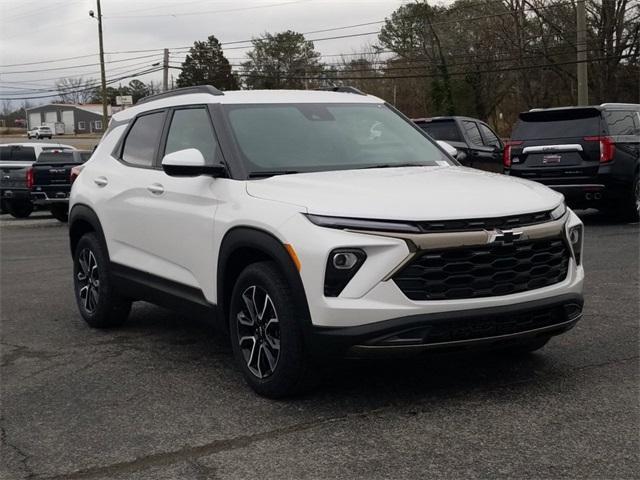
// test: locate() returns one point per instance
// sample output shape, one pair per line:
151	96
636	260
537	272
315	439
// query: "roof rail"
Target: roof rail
613	104
182	91
345	89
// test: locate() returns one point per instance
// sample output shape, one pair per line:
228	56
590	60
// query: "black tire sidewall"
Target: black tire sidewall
20	209
60	213
290	370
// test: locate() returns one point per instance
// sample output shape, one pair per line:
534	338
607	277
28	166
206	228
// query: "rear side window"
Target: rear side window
620	123
490	138
17	153
442	130
5	154
55	157
84	156
557	124
143	139
471	129
191	128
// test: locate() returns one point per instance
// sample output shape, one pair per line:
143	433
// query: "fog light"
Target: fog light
344	260
342	265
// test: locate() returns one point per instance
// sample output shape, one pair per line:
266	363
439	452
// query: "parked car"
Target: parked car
40	132
15	160
590	154
50	178
478	145
315	224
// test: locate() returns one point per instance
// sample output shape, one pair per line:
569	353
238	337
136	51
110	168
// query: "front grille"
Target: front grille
502	223
484	270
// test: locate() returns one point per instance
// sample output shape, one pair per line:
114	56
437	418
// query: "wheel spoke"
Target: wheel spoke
272	328
271	359
248	298
243	320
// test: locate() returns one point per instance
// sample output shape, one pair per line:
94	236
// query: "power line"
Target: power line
17	72
207	12
115	80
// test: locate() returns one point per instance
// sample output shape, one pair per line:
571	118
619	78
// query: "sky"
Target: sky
45	31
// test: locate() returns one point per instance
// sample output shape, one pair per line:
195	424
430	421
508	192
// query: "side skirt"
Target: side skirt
138	285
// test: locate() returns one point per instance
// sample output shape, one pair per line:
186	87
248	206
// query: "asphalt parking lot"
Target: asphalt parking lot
160	398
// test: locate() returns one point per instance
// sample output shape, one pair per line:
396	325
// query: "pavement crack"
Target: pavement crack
22	351
190	454
23	457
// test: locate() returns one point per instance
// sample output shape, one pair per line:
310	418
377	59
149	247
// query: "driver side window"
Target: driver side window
191	128
490	138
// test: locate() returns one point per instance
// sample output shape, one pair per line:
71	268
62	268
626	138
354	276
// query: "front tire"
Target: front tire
265	332
97	301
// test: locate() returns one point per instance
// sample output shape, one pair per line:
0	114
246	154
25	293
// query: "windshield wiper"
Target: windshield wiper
271	173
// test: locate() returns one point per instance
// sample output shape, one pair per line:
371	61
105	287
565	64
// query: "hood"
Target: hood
408	193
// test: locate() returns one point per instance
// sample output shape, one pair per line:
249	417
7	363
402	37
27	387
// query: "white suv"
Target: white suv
316	223
42	131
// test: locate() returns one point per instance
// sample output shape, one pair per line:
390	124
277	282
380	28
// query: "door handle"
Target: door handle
101	181
156	189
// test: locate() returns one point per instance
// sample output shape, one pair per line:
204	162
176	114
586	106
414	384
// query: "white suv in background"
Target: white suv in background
40	132
316	223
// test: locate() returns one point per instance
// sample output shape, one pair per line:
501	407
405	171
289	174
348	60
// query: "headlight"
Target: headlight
362	224
575	239
559	211
342	265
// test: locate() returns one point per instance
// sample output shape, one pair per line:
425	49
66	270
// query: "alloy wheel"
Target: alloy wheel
258	331
88	278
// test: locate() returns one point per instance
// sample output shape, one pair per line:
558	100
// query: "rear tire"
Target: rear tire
266	333
630	208
60	213
19	209
97	301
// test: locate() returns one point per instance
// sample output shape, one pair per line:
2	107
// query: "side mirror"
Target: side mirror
190	163
451	150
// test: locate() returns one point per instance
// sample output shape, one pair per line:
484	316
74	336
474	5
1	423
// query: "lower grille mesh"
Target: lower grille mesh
484	270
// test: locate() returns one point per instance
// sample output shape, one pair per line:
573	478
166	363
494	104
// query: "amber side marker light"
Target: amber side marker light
293	255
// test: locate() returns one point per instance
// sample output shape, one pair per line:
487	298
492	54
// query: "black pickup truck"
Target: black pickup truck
479	145
49	179
15	161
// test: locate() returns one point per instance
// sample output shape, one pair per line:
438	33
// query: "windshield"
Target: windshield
276	138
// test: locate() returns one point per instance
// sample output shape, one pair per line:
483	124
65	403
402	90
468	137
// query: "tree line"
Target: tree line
488	59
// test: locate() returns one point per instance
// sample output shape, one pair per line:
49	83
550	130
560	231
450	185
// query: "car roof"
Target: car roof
601	107
238	97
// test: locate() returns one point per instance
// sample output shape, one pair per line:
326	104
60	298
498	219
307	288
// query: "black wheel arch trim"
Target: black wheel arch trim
83	213
271	247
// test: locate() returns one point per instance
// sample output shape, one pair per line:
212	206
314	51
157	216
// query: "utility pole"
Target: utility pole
581	46
165	70
103	75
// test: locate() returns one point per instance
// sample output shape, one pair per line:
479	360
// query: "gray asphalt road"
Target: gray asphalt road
160	398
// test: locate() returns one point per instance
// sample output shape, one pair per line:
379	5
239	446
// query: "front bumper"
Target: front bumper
486	328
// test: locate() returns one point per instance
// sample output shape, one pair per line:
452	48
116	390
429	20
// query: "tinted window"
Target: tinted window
55	157
442	130
620	123
17	153
143	139
191	128
557	124
322	137
471	129
5	153
84	156
489	137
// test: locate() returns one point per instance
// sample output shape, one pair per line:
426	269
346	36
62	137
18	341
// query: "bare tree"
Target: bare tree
76	89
